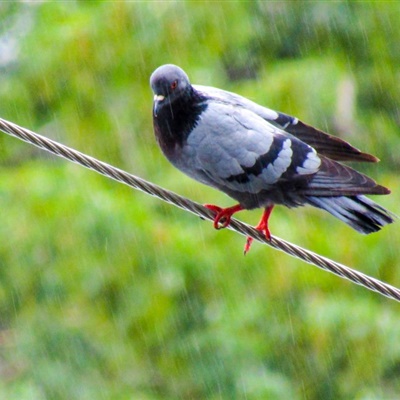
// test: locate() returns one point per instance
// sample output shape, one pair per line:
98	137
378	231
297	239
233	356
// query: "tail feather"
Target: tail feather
359	212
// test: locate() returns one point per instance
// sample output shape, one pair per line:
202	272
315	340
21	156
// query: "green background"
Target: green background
106	293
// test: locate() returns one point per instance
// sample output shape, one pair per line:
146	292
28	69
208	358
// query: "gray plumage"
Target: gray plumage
258	156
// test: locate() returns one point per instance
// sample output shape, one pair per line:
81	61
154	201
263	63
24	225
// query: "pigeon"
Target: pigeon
258	156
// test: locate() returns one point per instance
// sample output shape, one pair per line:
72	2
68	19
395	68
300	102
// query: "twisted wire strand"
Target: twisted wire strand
138	183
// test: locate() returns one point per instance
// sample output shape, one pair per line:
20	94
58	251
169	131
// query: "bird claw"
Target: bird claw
250	240
247	246
223	218
262	227
223	215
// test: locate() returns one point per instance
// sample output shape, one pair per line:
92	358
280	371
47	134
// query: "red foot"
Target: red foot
223	215
262	227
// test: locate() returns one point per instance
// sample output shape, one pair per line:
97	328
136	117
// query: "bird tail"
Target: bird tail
359	212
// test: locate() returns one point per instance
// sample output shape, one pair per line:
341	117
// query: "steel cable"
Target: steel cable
197	209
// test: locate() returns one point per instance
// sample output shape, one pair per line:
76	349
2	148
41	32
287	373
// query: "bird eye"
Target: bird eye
174	84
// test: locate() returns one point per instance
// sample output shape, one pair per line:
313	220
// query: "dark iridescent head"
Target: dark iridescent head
168	82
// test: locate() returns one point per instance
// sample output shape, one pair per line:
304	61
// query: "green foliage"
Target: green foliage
107	293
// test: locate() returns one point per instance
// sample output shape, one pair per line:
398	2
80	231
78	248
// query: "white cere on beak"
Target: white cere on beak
159	97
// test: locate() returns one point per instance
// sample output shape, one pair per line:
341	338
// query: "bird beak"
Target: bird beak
158	98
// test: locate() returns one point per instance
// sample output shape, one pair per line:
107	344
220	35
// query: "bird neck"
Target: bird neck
176	120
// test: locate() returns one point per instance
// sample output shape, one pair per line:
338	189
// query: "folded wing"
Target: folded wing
327	145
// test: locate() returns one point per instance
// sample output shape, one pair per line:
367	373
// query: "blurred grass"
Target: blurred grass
107	293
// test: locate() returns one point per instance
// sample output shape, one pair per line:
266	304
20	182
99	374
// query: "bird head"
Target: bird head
169	83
